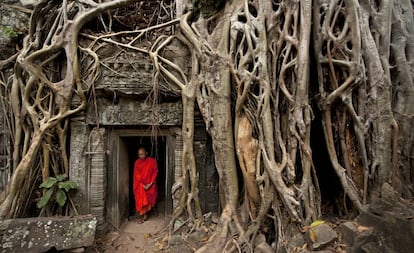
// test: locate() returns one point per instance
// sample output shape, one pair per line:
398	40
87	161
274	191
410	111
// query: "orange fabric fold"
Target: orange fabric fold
145	172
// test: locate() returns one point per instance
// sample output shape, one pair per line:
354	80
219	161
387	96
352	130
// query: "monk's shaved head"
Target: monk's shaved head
142	153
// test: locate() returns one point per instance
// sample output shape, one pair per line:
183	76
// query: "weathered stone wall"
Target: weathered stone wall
126	111
208	179
123	94
5	158
122	100
79	163
98	174
129	74
13	23
208	176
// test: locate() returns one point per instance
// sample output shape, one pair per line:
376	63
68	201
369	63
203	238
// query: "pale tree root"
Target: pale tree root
51	102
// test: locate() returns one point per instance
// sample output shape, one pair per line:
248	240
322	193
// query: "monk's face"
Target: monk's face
142	154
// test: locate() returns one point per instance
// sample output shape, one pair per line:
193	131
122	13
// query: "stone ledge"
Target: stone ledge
133	112
43	233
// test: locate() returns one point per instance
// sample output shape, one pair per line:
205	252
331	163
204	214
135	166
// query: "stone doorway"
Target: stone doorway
156	148
123	145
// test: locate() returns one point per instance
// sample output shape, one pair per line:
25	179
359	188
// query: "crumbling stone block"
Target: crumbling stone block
43	233
349	231
392	223
297	241
320	236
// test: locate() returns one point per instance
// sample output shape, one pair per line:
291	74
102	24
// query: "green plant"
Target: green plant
10	32
58	189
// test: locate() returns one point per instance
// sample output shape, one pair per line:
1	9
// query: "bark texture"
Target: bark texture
249	75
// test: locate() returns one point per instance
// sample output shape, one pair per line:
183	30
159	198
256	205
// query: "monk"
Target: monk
145	187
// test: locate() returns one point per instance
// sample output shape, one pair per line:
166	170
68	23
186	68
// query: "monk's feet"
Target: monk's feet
143	218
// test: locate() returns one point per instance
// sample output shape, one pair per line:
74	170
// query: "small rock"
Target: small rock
297	241
197	236
372	247
387	192
349	231
320	236
159	245
361	239
215	219
261	245
175	240
177	224
207	218
283	249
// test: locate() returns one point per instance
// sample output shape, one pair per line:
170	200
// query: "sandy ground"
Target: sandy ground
133	237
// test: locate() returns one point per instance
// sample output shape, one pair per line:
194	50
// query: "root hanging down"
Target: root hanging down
247	70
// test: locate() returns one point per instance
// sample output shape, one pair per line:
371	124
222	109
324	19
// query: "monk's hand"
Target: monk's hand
146	187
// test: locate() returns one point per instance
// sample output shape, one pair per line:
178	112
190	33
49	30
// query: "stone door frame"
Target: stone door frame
115	190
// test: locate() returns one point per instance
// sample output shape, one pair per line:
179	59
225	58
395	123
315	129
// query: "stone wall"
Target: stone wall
128	111
122	101
79	163
208	176
124	93
130	74
13	23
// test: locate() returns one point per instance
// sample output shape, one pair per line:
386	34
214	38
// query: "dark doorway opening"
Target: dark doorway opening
156	148
330	186
329	183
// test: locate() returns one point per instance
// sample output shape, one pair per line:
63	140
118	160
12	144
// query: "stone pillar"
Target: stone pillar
88	169
78	164
178	155
97	153
5	152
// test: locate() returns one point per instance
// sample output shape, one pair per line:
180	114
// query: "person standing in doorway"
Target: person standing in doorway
145	187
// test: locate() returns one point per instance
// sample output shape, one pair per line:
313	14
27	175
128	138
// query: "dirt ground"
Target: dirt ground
132	237
150	236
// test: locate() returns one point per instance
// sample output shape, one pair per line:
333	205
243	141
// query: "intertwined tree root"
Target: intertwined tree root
249	76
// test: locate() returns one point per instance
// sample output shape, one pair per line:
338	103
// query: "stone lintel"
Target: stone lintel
134	112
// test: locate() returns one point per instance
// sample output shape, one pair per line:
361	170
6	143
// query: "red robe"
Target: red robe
145	172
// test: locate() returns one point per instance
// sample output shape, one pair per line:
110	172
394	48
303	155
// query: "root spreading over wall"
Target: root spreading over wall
249	75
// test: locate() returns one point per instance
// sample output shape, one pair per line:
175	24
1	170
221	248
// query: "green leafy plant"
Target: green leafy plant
58	189
10	32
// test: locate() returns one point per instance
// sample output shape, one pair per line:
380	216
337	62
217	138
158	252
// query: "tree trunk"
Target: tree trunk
249	75
402	76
